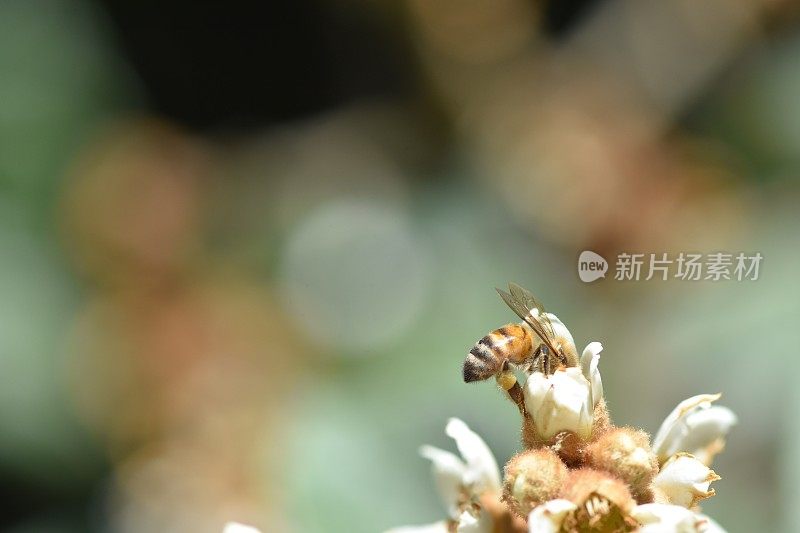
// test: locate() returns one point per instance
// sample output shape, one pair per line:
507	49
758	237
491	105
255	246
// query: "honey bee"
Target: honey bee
532	344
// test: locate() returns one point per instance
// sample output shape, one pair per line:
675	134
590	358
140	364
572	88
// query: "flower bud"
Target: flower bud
655	495
531	478
696	427
685	480
625	453
602	419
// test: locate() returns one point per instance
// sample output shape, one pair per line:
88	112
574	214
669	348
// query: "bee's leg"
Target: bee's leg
508	382
515	393
546	360
537	358
562	357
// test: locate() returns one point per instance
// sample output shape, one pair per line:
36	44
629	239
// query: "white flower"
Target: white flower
589	366
482	472
560	402
477	472
448	473
695	427
685	480
549	516
665	518
561	330
473	474
235	527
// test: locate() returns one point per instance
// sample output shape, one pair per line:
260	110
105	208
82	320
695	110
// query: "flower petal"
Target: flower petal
560	402
549	516
665	518
695	427
436	527
589	366
561	330
685	480
482	470
448	474
707	429
236	527
670	426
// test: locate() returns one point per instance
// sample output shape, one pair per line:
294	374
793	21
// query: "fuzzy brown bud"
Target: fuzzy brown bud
602	420
625	452
532	477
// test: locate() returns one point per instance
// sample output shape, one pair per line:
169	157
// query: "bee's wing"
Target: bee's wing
515	305
530	302
522	302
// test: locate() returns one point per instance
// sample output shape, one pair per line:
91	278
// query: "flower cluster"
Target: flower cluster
578	472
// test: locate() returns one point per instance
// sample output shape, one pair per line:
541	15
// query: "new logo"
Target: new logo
591	266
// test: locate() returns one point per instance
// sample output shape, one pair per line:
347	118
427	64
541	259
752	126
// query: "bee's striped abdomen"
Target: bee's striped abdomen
481	362
511	342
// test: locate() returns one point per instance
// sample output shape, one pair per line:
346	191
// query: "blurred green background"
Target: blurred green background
247	246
